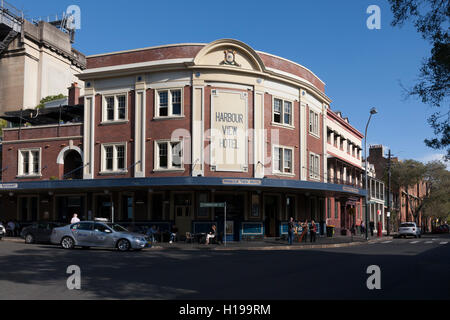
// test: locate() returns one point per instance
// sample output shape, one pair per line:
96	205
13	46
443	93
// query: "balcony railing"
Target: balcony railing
345	182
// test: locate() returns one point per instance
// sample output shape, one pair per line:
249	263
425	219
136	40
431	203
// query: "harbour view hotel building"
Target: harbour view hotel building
161	130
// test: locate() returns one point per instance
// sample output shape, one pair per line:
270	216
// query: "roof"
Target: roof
45	116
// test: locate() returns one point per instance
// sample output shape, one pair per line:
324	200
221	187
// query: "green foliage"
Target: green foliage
436	201
3	124
430	18
48	99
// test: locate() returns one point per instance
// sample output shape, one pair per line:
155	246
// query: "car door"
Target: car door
102	236
82	233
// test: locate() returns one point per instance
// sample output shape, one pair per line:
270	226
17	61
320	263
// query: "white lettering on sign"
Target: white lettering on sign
229	132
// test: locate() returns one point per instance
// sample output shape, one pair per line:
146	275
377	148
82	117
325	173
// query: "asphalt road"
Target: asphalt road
410	269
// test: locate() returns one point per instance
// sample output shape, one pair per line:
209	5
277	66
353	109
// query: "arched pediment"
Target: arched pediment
231	53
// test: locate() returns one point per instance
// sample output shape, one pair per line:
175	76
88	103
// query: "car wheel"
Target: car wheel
29	239
67	243
123	245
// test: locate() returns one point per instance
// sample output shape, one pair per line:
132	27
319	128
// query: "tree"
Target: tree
434	202
437	204
48	99
3	124
407	174
431	17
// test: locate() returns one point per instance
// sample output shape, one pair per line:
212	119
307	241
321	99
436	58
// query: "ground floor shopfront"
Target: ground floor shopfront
255	208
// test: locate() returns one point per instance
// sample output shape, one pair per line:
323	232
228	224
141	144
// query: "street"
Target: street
410	269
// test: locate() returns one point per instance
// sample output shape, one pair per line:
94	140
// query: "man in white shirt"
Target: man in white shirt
75	219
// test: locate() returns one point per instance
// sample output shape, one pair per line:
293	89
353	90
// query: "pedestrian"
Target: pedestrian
305	231
313	231
173	234
74	219
291	230
372	227
363	230
11	227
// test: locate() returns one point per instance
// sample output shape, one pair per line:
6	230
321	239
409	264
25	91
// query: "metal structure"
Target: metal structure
11	24
373	111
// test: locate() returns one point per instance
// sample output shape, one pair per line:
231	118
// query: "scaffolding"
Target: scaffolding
11	24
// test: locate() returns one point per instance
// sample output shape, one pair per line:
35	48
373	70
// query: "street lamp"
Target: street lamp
373	111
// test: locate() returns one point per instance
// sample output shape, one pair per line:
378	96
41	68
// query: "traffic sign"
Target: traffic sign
212	205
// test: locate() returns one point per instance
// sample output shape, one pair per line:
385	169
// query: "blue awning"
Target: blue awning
78	185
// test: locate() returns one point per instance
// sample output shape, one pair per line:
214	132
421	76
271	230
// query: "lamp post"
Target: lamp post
373	111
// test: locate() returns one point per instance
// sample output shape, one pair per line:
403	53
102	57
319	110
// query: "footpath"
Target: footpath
267	244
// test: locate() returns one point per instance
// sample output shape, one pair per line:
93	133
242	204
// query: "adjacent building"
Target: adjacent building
36	60
159	131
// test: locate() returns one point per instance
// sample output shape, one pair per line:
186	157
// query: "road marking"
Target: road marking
444	242
387	242
428	242
414	242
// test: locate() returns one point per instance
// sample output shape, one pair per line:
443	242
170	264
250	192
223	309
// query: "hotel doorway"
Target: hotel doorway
271	213
183	212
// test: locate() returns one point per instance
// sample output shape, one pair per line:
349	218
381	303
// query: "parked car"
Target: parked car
98	234
38	232
441	229
2	231
409	229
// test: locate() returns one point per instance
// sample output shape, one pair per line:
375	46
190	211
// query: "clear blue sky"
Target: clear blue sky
362	68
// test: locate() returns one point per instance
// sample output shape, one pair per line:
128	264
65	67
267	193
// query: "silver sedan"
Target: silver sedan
98	234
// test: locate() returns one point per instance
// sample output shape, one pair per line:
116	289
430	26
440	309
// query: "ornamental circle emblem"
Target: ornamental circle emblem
230	58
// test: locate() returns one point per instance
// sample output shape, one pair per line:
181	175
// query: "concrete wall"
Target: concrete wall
43	64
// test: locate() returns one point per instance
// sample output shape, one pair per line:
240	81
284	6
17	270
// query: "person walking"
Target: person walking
305	231
74	219
291	227
313	231
372	227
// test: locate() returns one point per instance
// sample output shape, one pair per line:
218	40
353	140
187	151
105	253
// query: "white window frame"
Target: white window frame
276	171
314	127
115	169
20	170
314	173
157	166
116	107
290	125
169	103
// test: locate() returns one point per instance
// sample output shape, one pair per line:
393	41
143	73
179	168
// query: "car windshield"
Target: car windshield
407	225
116	227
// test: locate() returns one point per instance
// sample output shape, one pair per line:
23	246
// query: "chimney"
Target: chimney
74	94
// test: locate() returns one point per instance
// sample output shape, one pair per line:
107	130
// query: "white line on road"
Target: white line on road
414	242
428	242
387	242
444	242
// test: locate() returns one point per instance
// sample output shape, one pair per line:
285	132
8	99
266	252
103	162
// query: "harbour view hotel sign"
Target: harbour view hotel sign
229	125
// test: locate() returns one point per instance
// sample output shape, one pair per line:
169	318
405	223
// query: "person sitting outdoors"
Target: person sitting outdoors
153	232
173	234
212	233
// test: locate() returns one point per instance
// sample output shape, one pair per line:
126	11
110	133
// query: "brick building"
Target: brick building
401	198
160	130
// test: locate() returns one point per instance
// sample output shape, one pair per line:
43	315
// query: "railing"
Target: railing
344	182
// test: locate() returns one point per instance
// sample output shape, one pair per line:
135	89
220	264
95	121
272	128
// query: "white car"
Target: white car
2	231
409	229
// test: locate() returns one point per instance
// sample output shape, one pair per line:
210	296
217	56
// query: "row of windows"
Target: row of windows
169	157
169	104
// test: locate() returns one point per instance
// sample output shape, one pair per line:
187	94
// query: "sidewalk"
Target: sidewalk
267	244
274	244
